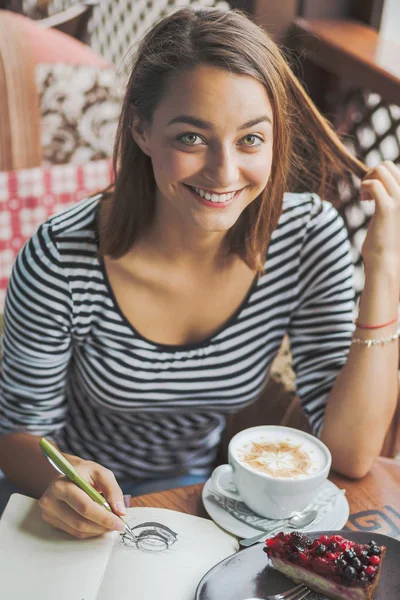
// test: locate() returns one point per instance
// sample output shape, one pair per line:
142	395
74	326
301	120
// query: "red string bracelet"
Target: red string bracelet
361	326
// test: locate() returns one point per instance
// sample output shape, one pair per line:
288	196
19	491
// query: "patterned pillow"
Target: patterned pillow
79	109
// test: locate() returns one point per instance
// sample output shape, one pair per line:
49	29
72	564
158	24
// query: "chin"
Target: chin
218	223
217	226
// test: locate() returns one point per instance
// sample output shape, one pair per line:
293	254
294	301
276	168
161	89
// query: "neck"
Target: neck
171	240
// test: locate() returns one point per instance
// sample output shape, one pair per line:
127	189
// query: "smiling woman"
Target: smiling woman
220	65
137	320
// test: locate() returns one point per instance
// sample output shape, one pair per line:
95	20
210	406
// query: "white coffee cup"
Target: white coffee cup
276	470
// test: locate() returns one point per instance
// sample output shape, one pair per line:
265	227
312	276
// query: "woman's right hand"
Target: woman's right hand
65	506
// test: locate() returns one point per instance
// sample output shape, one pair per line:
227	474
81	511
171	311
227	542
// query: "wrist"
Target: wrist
379	301
370	326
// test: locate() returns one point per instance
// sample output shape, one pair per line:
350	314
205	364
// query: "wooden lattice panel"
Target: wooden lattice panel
372	132
116	25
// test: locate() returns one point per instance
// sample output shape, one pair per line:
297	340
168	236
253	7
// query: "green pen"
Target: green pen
61	464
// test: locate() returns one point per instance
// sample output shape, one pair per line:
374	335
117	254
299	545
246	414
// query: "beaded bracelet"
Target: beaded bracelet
377	342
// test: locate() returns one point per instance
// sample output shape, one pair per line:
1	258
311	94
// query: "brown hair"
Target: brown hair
306	151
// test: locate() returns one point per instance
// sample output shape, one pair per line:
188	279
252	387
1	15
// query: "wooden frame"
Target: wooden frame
276	17
352	51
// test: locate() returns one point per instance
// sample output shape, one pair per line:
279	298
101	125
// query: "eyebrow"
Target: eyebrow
208	125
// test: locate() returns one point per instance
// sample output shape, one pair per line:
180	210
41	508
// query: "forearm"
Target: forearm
24	464
363	399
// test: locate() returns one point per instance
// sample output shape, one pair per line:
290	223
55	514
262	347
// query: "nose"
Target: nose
222	168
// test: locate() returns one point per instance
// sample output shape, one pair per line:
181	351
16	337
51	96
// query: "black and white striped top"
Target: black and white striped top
75	369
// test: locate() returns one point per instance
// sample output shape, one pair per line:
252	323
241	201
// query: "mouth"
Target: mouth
212	199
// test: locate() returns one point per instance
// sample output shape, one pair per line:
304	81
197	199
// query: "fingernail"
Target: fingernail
120	507
119	526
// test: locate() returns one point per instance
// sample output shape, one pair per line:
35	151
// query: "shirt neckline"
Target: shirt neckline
177	347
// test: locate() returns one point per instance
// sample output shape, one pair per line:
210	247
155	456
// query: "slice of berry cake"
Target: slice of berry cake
334	566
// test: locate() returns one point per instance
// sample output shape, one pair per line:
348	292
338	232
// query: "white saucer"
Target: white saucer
234	516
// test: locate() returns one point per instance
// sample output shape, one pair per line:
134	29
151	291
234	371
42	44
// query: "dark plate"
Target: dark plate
245	575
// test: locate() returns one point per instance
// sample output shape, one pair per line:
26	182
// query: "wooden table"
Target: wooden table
374	500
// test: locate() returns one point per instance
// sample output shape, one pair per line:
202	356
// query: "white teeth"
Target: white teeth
214	197
199	192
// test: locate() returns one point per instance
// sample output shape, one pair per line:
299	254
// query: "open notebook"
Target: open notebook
171	554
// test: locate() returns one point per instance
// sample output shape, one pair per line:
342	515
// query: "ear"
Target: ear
140	133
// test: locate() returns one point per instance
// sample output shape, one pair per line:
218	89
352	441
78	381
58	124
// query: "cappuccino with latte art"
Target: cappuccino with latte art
276	470
289	456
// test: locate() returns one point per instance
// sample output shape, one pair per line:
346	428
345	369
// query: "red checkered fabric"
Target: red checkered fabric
28	197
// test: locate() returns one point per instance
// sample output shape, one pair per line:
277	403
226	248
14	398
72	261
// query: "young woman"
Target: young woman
137	319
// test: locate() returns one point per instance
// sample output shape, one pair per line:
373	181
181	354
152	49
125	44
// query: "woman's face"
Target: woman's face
210	143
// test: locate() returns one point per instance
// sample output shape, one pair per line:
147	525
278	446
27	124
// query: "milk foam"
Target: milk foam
280	454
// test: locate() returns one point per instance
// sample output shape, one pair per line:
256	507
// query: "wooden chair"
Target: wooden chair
73	21
25	43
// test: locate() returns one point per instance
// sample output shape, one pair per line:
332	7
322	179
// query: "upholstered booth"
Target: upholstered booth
59	100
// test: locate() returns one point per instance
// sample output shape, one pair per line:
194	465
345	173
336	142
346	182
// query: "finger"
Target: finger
373	189
383	174
80	502
105	482
59	511
58	524
395	171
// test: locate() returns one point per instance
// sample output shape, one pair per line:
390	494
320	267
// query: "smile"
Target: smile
212	196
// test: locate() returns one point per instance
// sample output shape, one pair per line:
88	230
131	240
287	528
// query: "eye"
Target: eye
252	140
190	139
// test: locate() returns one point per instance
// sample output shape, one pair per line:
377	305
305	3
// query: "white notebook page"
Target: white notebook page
40	562
173	553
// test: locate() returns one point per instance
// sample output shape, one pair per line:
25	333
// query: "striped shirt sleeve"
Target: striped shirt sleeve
322	323
36	340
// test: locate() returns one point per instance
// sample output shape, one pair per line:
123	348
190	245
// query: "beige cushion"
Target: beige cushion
79	110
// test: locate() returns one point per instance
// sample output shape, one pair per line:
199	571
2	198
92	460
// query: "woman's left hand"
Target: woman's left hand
381	248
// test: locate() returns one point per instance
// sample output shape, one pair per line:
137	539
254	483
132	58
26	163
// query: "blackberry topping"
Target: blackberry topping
299	541
374	550
333	546
363	556
293	556
349	575
298	548
341	562
356	563
320	550
363	579
372	543
349	554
